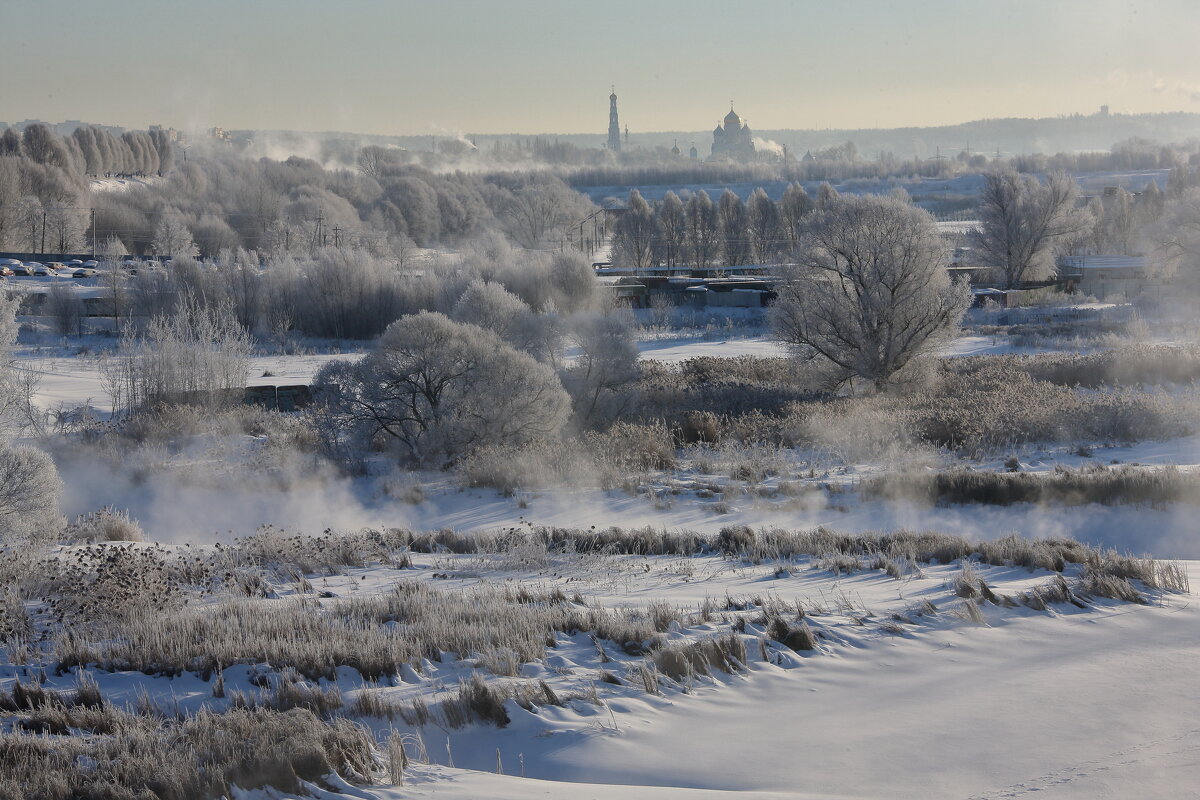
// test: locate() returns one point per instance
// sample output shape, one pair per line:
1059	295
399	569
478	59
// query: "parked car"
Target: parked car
45	271
91	263
84	272
74	262
5	270
10	262
21	269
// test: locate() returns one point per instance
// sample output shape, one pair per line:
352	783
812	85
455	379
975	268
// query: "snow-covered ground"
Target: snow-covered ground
72	381
1069	702
1065	705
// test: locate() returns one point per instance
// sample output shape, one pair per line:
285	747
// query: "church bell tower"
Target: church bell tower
614	129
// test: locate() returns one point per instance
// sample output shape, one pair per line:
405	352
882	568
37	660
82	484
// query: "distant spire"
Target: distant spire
614	128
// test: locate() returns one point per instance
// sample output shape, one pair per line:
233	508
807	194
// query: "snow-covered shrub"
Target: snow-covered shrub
602	376
728	389
1095	484
681	662
107	525
1127	366
493	308
539	464
198	355
65	309
116	583
181	758
29	493
629	447
602	458
435	389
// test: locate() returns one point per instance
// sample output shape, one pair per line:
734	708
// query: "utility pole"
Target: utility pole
317	231
43	232
93	234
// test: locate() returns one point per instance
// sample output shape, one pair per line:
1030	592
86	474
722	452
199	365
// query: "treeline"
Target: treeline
92	150
731	232
339	293
223	201
845	162
702	233
295	207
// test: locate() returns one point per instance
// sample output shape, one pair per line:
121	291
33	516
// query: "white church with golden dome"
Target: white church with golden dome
733	141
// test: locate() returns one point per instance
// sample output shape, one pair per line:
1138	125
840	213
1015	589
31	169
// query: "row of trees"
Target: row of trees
339	293
701	233
296	207
92	150
1026	222
226	200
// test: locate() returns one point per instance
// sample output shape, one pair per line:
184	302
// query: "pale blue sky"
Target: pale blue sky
532	66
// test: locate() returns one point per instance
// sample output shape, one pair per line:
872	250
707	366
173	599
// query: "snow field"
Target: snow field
895	700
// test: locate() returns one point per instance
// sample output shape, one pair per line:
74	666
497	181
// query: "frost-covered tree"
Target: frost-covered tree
1119	221
492	307
703	230
731	211
29	492
672	229
17	386
115	281
43	146
1021	219
10	194
30	223
826	194
10	142
762	227
213	235
634	232
434	389
607	365
538	213
172	237
64	228
29	484
1150	207
573	281
1173	240
793	208
870	293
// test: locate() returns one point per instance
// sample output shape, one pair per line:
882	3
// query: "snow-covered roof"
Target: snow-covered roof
958	226
1105	262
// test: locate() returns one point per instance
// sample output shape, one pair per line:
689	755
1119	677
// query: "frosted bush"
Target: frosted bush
107	525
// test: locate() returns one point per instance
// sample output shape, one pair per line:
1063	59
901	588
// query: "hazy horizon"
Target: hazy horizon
537	67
